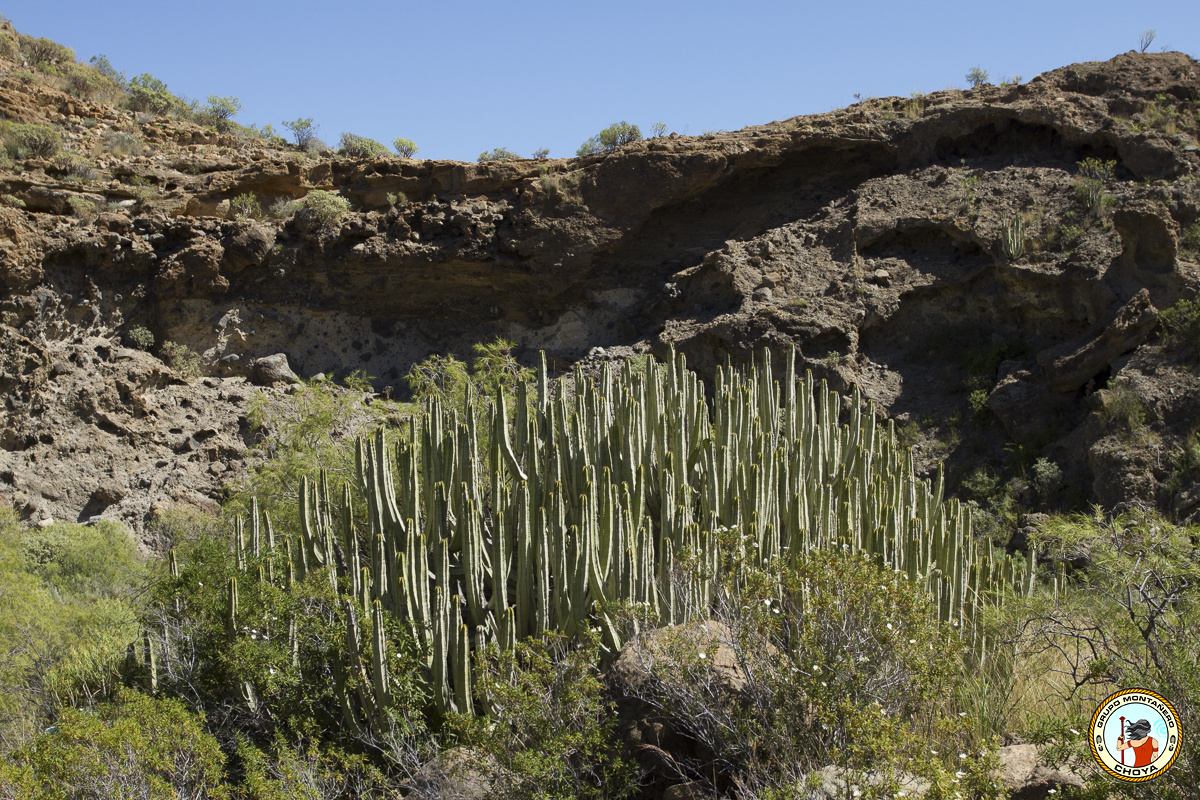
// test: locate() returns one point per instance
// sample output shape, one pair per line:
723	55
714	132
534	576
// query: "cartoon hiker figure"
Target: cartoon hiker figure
1137	737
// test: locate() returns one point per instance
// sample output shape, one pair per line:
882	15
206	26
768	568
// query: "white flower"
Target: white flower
889	626
960	774
1072	730
201	584
912	641
272	670
823	683
702	655
766	602
962	713
935	752
253	636
962	755
776	610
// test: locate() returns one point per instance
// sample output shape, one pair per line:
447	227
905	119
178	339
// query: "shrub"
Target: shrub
1181	323
555	733
362	147
245	206
284	208
1090	192
977	77
1146	39
140	337
75	167
405	148
136	747
541	152
221	110
396	198
120	144
148	93
499	154
182	359
658	130
303	130
1190	240
83	208
105	68
448	379
31	141
12	201
1122	410
612	137
44	51
327	207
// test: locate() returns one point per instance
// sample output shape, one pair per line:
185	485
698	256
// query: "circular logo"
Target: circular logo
1135	735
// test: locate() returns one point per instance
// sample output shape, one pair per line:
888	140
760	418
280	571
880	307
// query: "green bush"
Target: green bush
106	69
327	207
362	147
44	51
612	137
221	110
83	208
140	337
147	93
1094	175
12	201
405	148
1122	411
1181	323
245	206
120	144
499	154
448	379
555	732
977	77
135	747
284	208
31	141
1190	240
541	152
182	359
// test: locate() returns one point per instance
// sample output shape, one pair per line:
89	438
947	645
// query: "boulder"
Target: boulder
1027	776
270	370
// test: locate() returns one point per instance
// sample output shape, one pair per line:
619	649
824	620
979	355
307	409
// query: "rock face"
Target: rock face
870	238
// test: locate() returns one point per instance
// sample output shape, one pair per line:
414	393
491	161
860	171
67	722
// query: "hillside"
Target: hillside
873	238
716	559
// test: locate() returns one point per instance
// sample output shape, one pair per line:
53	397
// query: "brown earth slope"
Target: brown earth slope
872	238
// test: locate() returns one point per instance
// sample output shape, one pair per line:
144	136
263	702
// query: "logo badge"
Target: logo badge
1135	735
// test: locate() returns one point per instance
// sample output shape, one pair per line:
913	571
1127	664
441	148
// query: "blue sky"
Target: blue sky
459	76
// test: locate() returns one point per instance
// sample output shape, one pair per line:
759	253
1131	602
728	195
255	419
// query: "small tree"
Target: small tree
658	130
977	77
221	110
148	93
1145	40
405	148
612	137
303	131
541	152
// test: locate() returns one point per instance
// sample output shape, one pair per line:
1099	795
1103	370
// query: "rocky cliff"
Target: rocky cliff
987	265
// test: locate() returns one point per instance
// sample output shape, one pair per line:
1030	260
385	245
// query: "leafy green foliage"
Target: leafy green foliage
326	207
1094	175
499	154
658	130
30	141
245	206
1132	620
65	620
555	733
405	148
134	747
221	110
148	93
612	137
361	147
976	76
182	359
452	383
1122	411
1181	323
44	51
140	337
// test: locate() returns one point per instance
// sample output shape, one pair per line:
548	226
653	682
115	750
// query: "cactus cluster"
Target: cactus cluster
487	526
1012	237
